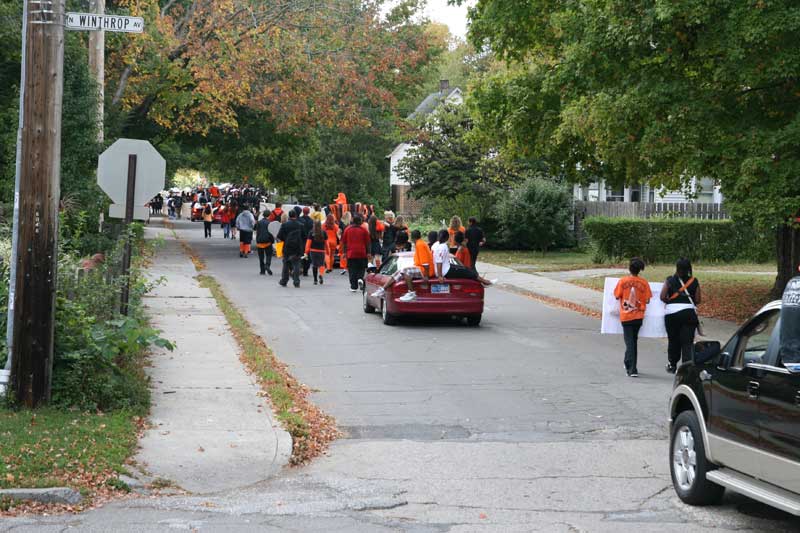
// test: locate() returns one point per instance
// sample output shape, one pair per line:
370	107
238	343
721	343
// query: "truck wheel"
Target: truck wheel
688	464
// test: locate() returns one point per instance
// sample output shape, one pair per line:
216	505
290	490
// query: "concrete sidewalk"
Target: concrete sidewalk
210	429
540	285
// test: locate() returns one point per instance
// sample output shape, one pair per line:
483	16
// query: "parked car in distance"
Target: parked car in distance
455	297
735	419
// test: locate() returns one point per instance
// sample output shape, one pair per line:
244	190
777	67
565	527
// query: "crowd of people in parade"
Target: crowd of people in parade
315	239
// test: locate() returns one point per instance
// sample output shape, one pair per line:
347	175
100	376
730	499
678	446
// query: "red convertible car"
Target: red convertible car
455	297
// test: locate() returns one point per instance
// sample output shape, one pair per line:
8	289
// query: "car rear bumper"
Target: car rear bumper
436	306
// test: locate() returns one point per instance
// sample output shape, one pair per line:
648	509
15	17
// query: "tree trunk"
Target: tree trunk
788	247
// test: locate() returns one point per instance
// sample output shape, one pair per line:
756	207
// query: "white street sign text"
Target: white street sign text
93	21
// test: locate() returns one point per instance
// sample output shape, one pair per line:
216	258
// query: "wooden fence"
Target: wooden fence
644	210
648	210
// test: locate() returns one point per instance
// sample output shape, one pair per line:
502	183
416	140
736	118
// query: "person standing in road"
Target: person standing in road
264	242
208	219
475	240
308	225
455	227
356	247
316	246
376	229
633	294
245	222
681	293
331	229
225	221
276	213
292	235
344	223
389	236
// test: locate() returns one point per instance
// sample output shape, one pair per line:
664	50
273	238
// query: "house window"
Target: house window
636	193
617	194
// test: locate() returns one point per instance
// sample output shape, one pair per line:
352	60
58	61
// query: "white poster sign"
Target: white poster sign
653	324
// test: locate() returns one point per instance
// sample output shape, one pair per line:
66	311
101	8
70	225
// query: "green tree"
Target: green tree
535	214
657	91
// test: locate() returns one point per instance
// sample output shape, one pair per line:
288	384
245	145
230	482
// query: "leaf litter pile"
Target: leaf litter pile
311	429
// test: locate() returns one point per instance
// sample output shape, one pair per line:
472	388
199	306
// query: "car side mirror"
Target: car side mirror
725	361
705	351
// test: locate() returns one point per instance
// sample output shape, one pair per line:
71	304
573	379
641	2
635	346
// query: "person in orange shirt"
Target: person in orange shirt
455	227
331	229
462	254
422	269
633	294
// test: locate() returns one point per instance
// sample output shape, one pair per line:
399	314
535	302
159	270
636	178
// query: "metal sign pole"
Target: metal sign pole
126	257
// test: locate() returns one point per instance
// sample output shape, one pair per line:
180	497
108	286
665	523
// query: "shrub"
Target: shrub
665	239
535	215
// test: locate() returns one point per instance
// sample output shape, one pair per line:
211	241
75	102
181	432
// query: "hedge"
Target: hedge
666	239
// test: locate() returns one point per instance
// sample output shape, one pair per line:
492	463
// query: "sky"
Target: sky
454	16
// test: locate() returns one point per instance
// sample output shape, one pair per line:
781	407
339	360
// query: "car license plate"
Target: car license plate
440	288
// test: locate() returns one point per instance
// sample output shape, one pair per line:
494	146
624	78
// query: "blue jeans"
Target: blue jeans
226	230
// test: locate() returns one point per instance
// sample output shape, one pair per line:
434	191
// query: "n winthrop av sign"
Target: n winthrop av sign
94	22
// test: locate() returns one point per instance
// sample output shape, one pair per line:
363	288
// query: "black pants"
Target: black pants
306	266
630	331
291	263
473	254
680	335
460	272
356	268
206	229
265	259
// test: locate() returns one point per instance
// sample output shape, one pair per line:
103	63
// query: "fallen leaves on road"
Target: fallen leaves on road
555	302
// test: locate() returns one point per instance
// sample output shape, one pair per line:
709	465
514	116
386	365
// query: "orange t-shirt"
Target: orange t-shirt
423	256
453	232
462	254
633	294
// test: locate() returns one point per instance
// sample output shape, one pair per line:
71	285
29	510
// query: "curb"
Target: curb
63	495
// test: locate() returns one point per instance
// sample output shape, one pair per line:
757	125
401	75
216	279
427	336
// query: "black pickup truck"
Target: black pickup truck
735	419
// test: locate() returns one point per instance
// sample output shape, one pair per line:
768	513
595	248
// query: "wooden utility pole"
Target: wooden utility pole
130	202
97	49
39	190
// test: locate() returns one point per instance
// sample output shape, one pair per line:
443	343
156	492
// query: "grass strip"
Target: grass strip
311	429
554	302
54	448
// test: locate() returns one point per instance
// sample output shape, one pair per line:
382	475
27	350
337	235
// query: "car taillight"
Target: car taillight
472	290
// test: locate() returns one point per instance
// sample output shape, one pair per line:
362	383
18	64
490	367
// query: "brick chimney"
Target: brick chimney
444	87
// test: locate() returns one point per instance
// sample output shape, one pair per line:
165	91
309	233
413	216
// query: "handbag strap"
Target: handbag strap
684	288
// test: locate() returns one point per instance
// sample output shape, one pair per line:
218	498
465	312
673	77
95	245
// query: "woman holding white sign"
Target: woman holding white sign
633	294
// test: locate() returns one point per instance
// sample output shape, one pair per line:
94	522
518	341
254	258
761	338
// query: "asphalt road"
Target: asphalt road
527	423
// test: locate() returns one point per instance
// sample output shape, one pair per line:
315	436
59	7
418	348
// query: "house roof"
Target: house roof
431	102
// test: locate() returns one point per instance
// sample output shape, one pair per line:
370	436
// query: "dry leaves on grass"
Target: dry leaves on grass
735	302
556	302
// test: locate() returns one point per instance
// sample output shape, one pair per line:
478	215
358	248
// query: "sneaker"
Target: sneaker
379	293
321	281
490	282
315	282
269	272
282	284
361	284
633	374
353	290
408	297
343	272
671	368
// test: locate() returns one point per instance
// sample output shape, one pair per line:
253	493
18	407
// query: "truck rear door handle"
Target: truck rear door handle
752	389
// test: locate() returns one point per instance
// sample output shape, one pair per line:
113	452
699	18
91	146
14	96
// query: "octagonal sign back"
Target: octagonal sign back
112	171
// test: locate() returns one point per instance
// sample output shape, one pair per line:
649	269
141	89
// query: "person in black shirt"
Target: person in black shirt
681	293
475	239
308	225
293	236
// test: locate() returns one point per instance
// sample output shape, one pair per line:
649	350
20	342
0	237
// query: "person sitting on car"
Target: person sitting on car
443	268
422	269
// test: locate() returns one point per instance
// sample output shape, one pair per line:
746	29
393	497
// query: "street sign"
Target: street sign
95	22
112	172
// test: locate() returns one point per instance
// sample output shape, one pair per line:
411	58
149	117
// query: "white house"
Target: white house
703	191
400	187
